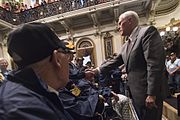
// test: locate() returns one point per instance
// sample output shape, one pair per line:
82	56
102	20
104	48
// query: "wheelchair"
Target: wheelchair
104	110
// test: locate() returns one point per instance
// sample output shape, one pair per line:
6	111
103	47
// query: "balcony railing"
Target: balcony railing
46	10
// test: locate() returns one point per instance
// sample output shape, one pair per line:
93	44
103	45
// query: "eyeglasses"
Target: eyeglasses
64	51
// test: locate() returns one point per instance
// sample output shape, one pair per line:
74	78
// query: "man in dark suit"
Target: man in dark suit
144	58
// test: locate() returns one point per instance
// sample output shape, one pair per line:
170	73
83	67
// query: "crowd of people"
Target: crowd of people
17	7
51	84
18	13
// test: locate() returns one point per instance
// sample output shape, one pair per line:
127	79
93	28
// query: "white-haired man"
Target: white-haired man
144	57
31	91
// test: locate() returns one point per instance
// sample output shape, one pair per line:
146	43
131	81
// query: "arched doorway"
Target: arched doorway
85	49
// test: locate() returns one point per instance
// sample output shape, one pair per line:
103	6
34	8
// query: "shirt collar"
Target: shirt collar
53	90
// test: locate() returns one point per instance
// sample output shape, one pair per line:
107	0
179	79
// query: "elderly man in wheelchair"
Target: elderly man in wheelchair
85	100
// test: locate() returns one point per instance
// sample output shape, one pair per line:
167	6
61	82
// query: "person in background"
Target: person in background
83	99
104	79
31	91
173	69
4	71
75	70
89	65
118	83
79	96
79	63
3	66
144	58
167	59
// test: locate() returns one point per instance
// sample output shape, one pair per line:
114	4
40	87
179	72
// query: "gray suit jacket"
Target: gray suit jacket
145	64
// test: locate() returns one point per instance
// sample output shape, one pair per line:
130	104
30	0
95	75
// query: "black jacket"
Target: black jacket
75	73
24	97
83	106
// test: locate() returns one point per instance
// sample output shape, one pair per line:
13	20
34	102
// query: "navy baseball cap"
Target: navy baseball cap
31	43
70	46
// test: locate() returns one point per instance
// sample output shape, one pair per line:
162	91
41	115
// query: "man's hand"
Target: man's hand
115	96
124	76
150	101
95	71
89	75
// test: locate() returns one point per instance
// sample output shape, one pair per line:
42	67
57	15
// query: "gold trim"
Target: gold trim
172	23
163	10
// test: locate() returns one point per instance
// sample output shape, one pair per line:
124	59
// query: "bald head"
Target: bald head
127	22
131	14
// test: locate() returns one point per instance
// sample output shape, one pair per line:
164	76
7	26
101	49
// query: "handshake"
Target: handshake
90	74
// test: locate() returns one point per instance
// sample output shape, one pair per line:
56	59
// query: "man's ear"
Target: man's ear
56	58
130	20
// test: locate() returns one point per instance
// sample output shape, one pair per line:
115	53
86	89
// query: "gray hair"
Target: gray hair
40	66
132	14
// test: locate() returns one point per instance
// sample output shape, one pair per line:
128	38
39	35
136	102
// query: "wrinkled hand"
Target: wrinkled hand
150	102
124	76
171	73
101	99
95	71
115	96
89	75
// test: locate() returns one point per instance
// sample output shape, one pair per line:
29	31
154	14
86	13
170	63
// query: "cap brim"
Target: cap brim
72	52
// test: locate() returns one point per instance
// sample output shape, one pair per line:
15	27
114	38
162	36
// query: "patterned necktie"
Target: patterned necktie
129	44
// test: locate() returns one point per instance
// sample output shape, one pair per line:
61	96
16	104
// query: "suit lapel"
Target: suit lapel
134	39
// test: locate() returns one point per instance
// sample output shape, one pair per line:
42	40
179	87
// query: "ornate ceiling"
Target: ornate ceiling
102	14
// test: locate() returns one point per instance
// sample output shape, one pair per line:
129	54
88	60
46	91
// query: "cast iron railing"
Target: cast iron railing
46	10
